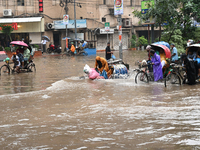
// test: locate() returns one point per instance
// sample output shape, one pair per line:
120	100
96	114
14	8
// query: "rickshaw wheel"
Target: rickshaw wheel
4	70
141	77
31	68
172	78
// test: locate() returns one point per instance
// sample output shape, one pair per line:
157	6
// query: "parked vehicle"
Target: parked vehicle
54	49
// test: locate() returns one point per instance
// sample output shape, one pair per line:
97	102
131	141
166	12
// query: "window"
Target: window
55	2
20	2
104	2
29	2
2	2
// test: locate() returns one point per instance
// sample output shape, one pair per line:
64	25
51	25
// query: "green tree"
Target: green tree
159	13
142	41
133	41
6	29
176	38
196	35
177	13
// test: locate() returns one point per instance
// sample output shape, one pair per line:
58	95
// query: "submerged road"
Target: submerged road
54	109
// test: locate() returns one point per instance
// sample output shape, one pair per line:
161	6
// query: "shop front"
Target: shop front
27	29
60	28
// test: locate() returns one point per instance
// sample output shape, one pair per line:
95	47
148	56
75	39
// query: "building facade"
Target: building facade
91	16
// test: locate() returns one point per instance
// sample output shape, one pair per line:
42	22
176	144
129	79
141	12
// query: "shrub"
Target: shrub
7	49
36	46
1	48
142	41
133	41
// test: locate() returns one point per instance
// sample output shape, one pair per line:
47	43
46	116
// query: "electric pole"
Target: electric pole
66	11
75	21
120	37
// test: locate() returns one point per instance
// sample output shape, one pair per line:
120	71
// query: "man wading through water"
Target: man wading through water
108	51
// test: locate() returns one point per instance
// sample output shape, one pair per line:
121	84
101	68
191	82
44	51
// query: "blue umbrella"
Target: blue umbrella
163	43
46	37
66	37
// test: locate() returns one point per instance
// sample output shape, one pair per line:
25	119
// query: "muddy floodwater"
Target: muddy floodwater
55	109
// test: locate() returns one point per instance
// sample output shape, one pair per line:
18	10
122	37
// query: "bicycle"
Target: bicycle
133	73
144	75
176	75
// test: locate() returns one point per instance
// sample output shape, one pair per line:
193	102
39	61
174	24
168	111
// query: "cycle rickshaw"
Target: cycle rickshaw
29	66
145	72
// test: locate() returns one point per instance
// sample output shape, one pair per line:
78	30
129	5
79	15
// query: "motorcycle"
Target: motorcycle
54	49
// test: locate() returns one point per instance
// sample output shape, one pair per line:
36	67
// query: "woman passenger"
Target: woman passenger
163	58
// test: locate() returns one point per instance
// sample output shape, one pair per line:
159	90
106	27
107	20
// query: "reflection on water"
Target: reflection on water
73	113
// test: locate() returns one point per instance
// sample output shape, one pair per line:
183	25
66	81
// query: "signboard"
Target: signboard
66	19
14	26
82	23
107	26
145	5
118	7
103	31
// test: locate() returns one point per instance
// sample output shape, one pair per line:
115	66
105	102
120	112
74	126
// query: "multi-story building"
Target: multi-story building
31	24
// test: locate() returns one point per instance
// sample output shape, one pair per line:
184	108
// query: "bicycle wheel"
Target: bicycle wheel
4	70
49	50
67	53
172	78
31	68
141	77
133	74
85	53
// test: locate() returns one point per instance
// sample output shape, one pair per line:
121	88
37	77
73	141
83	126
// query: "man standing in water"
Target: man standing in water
174	53
108	51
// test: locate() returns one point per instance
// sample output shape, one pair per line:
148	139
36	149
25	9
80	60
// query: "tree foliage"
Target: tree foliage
142	41
177	13
6	29
133	41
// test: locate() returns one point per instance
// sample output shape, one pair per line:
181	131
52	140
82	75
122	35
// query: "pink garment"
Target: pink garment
93	74
100	77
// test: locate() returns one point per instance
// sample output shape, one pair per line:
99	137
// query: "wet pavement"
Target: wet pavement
54	109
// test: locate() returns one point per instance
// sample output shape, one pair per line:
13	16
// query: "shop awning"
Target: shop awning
16	20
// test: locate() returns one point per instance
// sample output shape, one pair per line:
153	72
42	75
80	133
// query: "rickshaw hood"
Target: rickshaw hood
165	48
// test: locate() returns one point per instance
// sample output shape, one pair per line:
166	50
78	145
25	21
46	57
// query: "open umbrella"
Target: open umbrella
163	43
19	43
46	37
65	38
165	48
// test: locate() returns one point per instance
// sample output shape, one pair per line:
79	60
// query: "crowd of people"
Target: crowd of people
160	63
80	47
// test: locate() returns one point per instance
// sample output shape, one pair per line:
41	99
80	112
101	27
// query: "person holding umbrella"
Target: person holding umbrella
44	42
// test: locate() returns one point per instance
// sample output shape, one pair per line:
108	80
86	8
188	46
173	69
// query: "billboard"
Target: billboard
66	19
82	23
118	7
145	5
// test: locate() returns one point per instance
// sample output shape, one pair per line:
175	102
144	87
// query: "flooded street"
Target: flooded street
54	109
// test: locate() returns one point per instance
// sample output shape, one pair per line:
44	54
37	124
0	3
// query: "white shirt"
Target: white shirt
44	41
